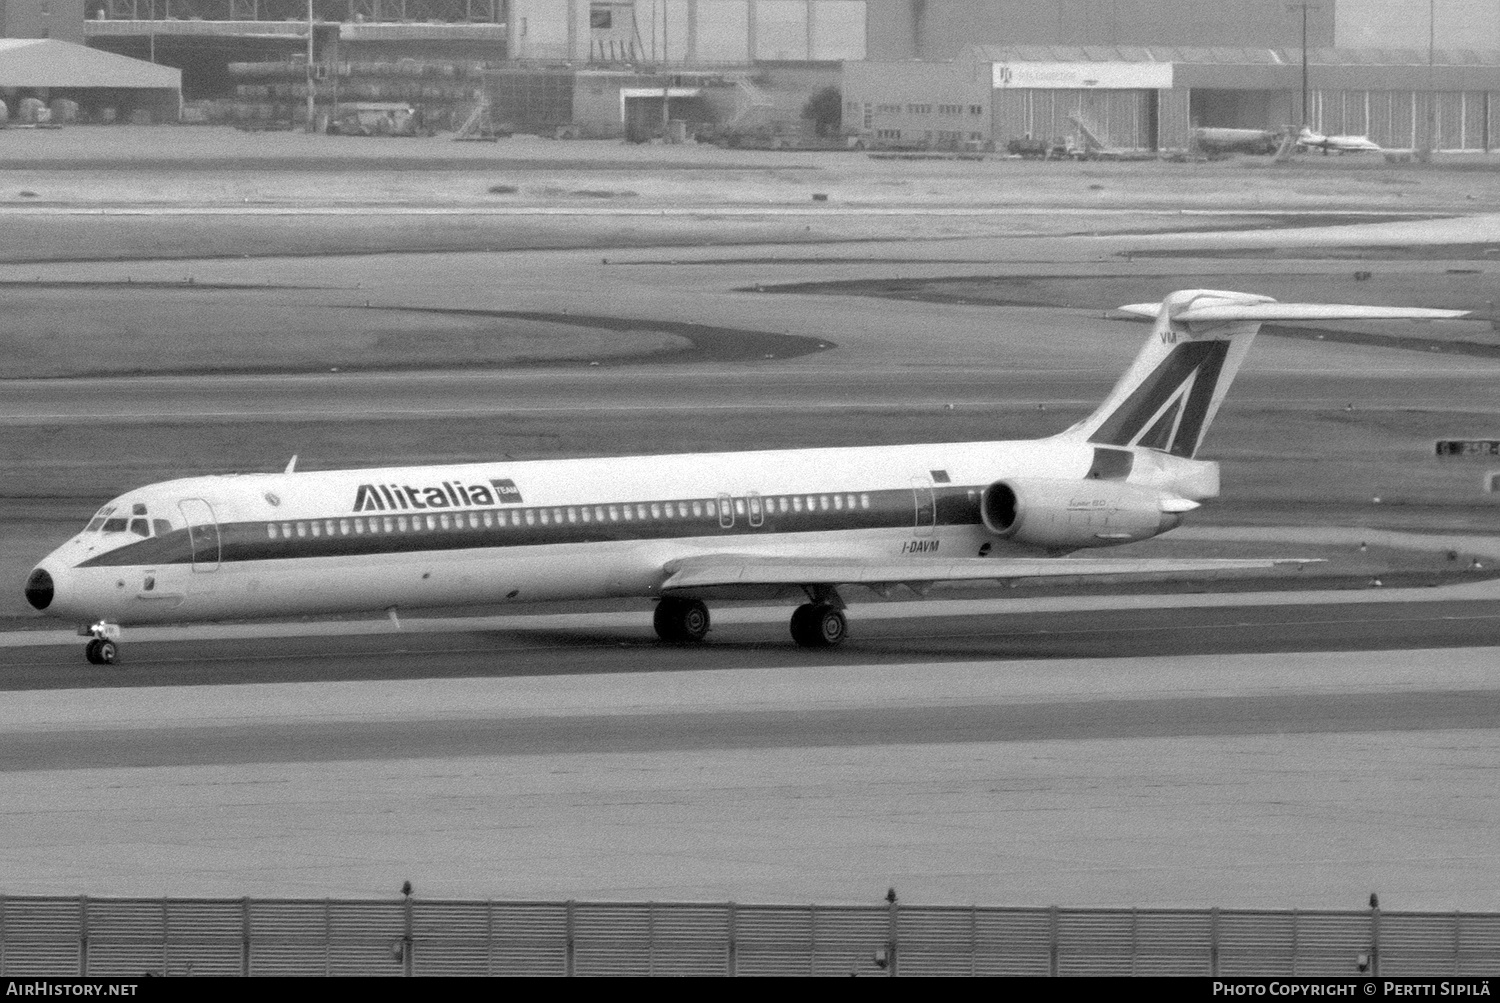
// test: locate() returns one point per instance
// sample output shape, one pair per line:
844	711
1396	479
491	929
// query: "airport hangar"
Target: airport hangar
104	85
1150	98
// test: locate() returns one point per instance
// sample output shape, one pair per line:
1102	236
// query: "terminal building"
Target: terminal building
1141	73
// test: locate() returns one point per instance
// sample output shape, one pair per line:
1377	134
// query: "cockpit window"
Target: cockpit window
98	519
162	526
140	527
115	525
138	509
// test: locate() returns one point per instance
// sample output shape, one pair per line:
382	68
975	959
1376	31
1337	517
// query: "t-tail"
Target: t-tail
1170	394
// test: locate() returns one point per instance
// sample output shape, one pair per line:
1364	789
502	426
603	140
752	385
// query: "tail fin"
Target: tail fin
1168	397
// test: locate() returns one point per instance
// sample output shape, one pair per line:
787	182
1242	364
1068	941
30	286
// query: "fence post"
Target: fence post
245	936
1213	941
83	935
734	947
1053	945
1375	941
1295	946
568	950
406	941
890	944
973	940
812	939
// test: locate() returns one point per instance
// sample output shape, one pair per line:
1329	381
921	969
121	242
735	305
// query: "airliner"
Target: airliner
687	529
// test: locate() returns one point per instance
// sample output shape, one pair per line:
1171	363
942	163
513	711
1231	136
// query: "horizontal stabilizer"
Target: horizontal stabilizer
1199	337
1220	312
715	570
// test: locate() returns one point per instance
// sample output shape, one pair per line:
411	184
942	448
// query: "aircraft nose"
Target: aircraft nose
39	589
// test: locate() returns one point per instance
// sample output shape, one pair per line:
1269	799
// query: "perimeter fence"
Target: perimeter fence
85	936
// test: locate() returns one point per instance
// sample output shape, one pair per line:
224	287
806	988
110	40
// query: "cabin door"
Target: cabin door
203	533
925	508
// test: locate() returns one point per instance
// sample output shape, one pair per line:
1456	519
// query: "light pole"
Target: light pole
1304	6
312	125
1431	143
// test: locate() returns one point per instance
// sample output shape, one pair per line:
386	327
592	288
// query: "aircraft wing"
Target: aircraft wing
1221	312
718	570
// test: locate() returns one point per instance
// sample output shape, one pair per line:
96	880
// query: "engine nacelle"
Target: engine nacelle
1076	514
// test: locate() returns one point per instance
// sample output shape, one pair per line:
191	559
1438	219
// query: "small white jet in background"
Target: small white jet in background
1308	140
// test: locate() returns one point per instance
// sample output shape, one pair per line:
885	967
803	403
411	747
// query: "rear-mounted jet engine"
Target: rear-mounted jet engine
1068	515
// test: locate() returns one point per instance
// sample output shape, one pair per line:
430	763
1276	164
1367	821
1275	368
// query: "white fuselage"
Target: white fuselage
262	545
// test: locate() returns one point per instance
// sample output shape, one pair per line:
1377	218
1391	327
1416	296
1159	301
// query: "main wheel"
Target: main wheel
818	625
679	620
91	652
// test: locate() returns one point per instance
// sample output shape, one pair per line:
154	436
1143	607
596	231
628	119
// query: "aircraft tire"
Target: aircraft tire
91	652
108	652
818	625
679	621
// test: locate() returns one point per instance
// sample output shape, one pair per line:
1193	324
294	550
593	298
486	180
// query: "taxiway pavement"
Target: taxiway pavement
1176	752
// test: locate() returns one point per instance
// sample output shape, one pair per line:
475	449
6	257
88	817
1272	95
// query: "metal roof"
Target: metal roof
46	62
1224	56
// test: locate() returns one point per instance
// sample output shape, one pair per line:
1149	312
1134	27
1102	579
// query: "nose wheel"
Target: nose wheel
104	648
679	621
101	651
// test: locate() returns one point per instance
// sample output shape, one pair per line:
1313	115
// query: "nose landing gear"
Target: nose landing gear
104	648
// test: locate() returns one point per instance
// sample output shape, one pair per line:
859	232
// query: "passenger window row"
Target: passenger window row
558	516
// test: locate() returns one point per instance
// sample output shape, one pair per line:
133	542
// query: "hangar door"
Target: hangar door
1120	118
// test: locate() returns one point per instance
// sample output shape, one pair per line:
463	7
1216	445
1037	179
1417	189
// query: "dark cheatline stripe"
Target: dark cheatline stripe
957	505
1130	418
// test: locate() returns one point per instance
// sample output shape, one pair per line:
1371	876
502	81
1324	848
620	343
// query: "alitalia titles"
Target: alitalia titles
449	494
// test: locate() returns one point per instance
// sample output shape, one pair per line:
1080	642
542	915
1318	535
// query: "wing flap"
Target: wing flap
715	570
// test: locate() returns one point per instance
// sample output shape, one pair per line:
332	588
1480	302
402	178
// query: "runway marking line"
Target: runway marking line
636	642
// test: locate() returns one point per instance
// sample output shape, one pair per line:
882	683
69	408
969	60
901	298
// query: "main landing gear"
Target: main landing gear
819	625
681	621
104	649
